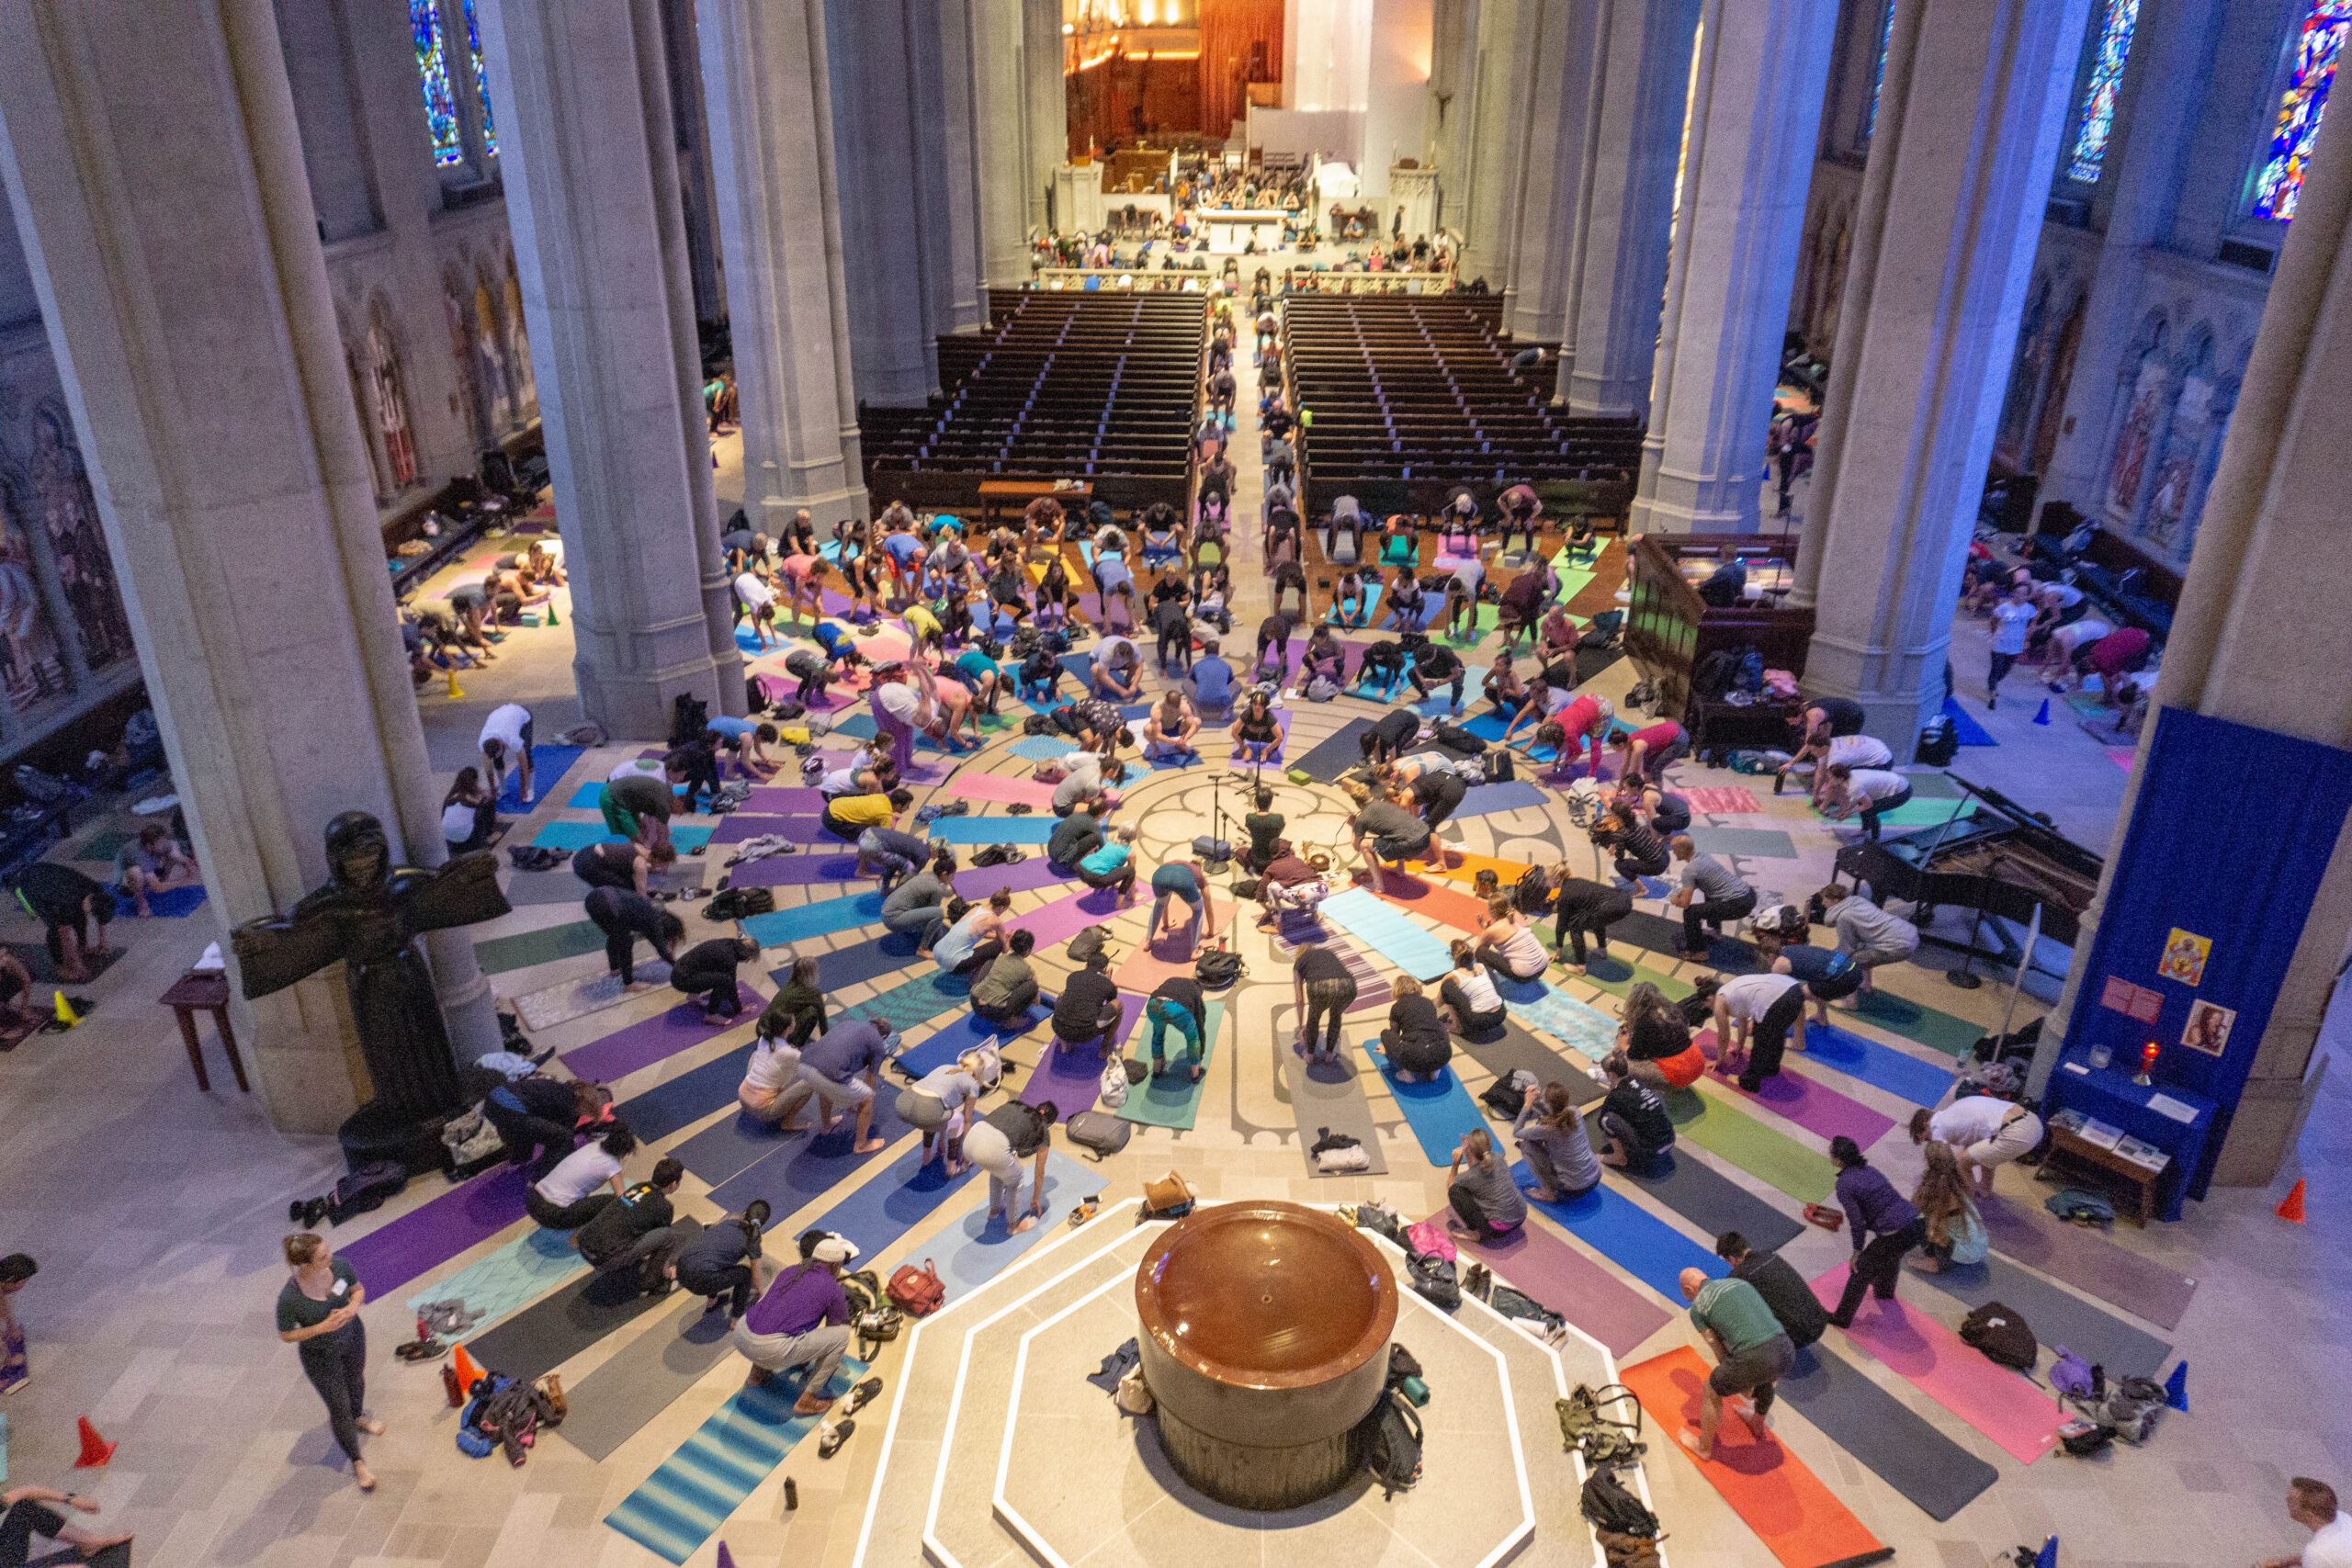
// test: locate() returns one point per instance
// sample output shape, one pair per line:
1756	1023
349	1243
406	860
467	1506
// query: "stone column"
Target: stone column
1557	158
2260	638
998	45
1046	104
1762	72
1960	166
186	303
2172	40
771	109
1502	77
594	199
1618	279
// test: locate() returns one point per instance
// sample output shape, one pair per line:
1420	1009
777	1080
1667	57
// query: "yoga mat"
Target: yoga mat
685	1501
1628	1235
1657	933
680	1102
1330	1096
551	1330
1335	756
1892	1440
1816	1107
643	1378
1175	1101
580	835
1149	964
1723	801
545	945
998	788
2017	1414
1057	922
641	1045
577	999
2088	1261
1439	1111
1796	1516
436	1231
793	871
2059	1317
822	918
527	888
782	800
1539	1005
1764	843
104	844
174	903
1481	800
994	829
810	1165
1397	938
1535	1262
1937	1030
975	1249
957	1035
915	1001
1970	732
589	796
1072	1076
1021	876
1439	703
739	828
1933	787
1921	812
1515	1049
511	1277
1713	1203
1043	747
871	960
1877	1064
1719	1126
1445	905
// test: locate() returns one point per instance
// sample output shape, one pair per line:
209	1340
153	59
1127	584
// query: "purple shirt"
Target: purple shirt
801	1298
1872	1205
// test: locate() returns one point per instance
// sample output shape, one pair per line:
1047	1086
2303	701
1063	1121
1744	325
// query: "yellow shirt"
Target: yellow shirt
863	810
922	622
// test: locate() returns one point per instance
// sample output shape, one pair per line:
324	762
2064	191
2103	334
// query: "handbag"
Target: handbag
918	1292
1133	1397
1114	1090
1171	1197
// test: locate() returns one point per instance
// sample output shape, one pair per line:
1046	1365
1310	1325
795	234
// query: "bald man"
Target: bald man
1753	1352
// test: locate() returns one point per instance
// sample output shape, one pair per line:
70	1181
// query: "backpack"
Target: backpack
1100	1133
1089	944
1713	675
470	1137
366	1189
1390	1437
1587	1425
1435	1279
1036	724
917	1292
1500	767
2080	1207
1506	1094
1508	1302
1219	968
689	716
1939	742
2002	1334
1382	1221
1460	742
2130	1409
1612	1508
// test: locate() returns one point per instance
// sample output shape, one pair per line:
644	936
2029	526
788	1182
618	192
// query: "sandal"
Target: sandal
832	1435
861	1396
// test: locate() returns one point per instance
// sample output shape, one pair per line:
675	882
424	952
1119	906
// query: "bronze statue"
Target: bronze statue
370	916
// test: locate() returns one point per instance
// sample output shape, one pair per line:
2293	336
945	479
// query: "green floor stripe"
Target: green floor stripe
500	953
1924	1025
1739	1139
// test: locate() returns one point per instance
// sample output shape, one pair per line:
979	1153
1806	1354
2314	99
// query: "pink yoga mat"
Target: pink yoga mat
1538	1264
1726	800
1147	966
1812	1105
1072	1077
2017	1414
1065	916
641	1045
999	789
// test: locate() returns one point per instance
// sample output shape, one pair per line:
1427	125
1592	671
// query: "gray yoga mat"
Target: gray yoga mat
553	1329
568	1000
559	886
1715	1203
1884	1434
1329	1097
1517	1049
645	1377
2058	1317
2089	1262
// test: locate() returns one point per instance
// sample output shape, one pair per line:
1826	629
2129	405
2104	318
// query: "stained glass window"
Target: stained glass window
1878	70
433	68
2114	47
2317	48
482	80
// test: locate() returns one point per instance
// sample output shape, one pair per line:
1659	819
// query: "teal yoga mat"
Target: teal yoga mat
1440	1112
545	945
994	829
580	835
1628	1235
1389	931
1173	1100
1582	1028
914	1002
822	918
511	1277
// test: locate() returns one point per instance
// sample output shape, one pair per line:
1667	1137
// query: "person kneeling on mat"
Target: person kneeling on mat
1635	1127
1487	1203
639	1233
565	1198
723	1262
1416	1042
1752	1354
1004	991
1090	1010
1469	1003
1553	1141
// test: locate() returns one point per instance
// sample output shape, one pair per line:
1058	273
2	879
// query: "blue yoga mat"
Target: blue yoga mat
1878	1064
958	1035
1439	703
1481	799
1043	747
994	829
1390	933
872	960
1580	1027
685	1100
889	1204
1439	1111
858	726
1970	733
1628	1235
977	1249
174	903
733	1144
548	764
519	1272
822	918
806	1166
1489	727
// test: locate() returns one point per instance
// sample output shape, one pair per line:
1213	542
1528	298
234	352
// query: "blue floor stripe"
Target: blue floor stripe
1878	1064
1628	1235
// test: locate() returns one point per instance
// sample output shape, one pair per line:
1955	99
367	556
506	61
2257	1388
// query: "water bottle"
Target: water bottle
791	1495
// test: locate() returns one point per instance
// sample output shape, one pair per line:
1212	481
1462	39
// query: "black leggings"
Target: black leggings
569	1216
734	1281
336	1365
1877	1267
1594	923
1327	1002
1471	1025
1465	1204
522	1132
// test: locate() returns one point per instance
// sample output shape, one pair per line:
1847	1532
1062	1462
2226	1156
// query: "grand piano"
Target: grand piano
2003	860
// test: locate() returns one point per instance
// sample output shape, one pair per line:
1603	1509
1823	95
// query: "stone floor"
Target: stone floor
156	1212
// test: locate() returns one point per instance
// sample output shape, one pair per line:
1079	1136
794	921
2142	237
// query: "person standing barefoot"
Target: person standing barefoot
319	1312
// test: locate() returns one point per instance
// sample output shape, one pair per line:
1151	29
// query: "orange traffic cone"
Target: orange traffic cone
95	1450
2292	1209
468	1373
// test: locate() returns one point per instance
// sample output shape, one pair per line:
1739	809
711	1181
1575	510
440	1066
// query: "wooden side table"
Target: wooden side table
2069	1156
206	989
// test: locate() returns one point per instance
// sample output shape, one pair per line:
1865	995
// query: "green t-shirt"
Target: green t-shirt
1736	1313
296	1310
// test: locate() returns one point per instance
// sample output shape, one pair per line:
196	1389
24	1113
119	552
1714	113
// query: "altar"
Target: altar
1231	229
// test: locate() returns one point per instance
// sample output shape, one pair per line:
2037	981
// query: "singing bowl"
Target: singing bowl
1265	1341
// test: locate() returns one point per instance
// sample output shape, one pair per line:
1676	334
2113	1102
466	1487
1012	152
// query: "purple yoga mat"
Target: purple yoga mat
739	827
1813	1106
1539	1264
2088	1261
431	1233
1072	1076
773	800
1034	872
793	870
641	1045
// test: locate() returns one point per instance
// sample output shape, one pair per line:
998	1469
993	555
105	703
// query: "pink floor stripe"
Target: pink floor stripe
2017	1414
1001	790
1812	1105
1556	1275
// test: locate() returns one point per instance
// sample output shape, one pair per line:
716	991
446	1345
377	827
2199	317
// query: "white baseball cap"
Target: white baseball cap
836	1249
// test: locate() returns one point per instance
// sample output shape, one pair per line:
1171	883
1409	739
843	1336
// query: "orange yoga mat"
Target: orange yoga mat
1467	866
1766	1485
1446	905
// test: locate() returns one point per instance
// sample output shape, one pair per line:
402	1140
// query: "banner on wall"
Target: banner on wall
2207	904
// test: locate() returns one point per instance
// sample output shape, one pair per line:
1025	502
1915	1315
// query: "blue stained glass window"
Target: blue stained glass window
482	79
433	68
1878	70
2098	126
2317	48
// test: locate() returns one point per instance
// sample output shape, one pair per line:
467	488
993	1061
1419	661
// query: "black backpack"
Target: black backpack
1610	1506
1434	1277
366	1189
1500	767
1459	741
689	716
1090	942
1218	968
1391	1440
2002	1334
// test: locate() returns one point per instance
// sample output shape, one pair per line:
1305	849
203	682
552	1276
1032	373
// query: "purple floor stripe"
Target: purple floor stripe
624	1051
433	1233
